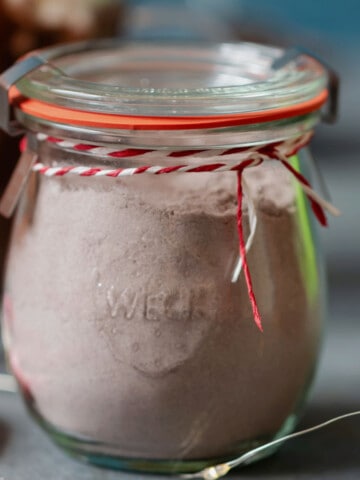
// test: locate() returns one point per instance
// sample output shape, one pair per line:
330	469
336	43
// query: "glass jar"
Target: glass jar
127	320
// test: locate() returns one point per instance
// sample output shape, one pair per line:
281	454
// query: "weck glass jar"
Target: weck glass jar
164	291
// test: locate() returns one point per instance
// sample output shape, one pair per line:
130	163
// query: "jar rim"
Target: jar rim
117	84
74	117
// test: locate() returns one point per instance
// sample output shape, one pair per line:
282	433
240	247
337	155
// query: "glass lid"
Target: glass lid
174	79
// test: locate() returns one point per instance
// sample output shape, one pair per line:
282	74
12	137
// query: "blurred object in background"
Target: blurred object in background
44	22
29	24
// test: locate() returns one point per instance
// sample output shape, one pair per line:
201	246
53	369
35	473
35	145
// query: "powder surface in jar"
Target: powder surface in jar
123	290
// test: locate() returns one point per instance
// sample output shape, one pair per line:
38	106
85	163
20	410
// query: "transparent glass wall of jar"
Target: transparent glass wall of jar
131	341
126	320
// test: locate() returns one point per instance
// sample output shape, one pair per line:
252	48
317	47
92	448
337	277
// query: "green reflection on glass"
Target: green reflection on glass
308	264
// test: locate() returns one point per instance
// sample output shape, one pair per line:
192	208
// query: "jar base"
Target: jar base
92	452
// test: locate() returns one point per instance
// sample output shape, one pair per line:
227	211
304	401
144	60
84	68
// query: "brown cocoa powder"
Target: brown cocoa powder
128	329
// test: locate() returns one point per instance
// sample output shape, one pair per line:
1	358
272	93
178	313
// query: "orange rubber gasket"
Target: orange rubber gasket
69	116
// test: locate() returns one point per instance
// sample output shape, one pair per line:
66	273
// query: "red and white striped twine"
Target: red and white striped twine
222	160
226	160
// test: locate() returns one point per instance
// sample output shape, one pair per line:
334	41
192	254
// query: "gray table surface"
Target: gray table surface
334	453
